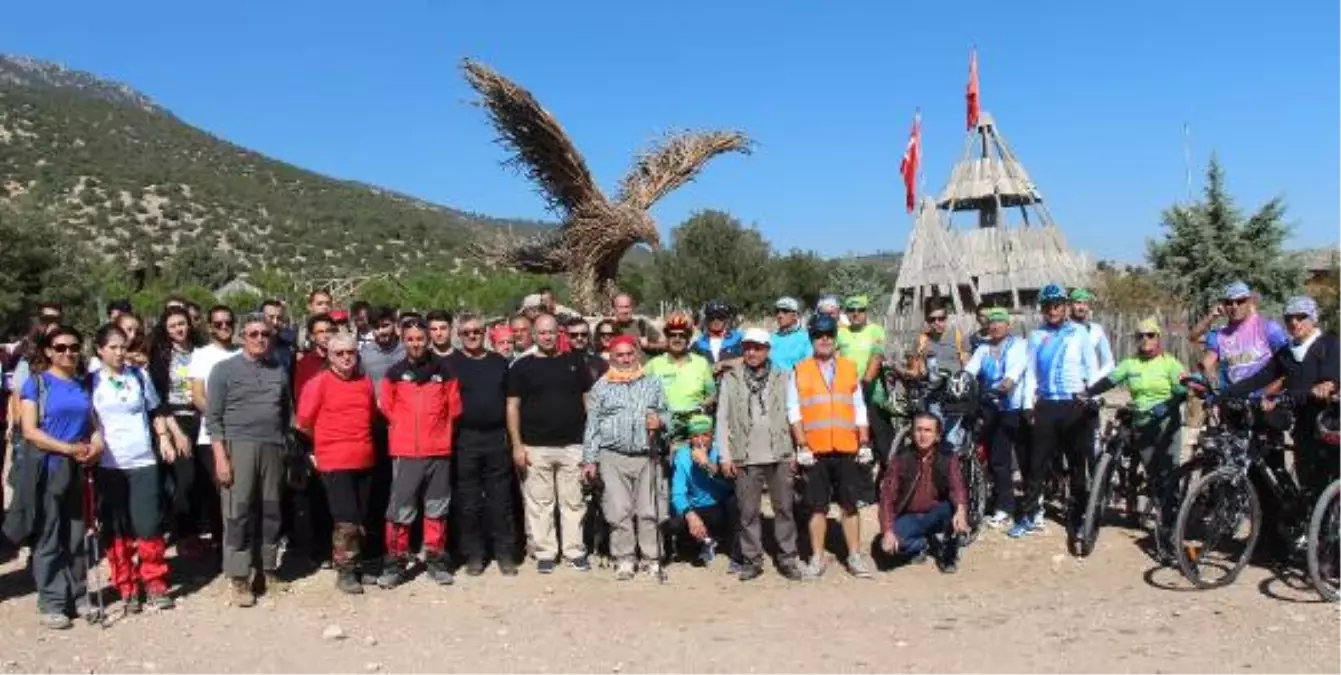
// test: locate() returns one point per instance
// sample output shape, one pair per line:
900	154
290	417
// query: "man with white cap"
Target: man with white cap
790	344
754	445
1245	344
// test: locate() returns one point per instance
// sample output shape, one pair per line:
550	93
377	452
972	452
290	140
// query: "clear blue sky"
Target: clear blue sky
1092	96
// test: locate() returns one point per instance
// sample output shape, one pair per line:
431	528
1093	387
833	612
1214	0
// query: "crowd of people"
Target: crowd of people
384	442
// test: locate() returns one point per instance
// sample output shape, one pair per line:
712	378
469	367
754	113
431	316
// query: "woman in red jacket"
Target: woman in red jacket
336	410
420	400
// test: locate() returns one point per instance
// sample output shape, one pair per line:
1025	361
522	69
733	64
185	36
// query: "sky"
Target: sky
1092	97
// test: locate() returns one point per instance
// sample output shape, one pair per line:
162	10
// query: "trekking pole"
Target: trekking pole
92	537
652	460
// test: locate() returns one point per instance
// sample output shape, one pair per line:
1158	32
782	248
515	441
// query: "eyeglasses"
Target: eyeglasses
261	334
1297	317
1147	336
342	352
65	348
584	334
222	324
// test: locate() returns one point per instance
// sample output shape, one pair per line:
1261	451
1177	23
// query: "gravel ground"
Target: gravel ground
1014	606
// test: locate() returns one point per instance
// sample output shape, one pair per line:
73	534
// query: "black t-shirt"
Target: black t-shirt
550	389
483	383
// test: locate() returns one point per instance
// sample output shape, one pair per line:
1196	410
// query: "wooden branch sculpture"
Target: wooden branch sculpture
595	233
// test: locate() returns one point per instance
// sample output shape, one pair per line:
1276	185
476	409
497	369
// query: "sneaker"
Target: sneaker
581	564
160	601
652	568
507	568
790	570
439	574
474	567
544	566
132	604
392	576
856	565
706	552
750	571
734	568
347	581
814	570
998	520
242	595
947	566
1021	527
56	621
624	570
275	585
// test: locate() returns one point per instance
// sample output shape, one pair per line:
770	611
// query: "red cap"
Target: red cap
623	340
339	315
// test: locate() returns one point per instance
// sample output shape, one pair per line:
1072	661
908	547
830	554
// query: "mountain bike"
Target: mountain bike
1324	528
1220	520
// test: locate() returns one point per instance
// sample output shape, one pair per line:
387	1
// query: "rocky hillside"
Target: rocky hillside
143	186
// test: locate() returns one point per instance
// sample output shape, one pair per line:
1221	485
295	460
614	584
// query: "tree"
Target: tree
713	255
802	275
850	278
1210	244
32	269
1326	289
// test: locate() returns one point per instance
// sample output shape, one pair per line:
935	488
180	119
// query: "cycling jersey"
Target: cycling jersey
1246	347
1103	349
860	345
687	382
993	363
1150	381
1061	363
790	348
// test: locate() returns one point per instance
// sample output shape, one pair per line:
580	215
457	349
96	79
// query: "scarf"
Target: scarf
617	376
756	379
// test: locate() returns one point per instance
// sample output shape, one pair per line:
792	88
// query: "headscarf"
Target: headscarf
1150	325
617	376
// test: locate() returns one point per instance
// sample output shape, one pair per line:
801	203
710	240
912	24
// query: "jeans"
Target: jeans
914	529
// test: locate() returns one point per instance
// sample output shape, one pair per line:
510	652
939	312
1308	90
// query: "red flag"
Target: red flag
972	95
912	157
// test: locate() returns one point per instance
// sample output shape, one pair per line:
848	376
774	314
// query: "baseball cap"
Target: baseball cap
857	302
826	303
998	315
1082	295
531	301
1302	304
699	424
756	336
339	315
787	304
1236	291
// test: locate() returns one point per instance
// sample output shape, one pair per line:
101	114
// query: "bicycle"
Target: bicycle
1324	527
1224	501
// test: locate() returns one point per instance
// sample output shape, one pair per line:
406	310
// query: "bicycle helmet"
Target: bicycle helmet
1329	426
823	323
717	309
679	320
1051	294
959	386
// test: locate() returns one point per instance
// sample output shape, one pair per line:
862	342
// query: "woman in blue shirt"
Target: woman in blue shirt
57	420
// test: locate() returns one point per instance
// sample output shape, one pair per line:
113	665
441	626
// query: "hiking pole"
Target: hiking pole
92	536
652	460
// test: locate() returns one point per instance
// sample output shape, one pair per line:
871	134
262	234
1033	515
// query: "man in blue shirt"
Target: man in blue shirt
999	363
1061	363
791	343
701	499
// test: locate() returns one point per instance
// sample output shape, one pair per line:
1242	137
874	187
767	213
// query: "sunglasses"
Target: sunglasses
65	348
936	319
823	335
1147	336
255	334
1297	317
1237	301
342	352
783	311
606	336
856	309
579	334
677	335
476	332
222	324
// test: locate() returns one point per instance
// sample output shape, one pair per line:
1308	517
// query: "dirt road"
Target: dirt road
1014	606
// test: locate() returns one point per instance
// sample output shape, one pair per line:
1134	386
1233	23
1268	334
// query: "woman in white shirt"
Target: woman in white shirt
129	496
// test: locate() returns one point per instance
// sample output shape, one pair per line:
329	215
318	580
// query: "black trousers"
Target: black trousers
484	494
205	494
128	502
346	495
379	494
186	504
1007	436
1066	427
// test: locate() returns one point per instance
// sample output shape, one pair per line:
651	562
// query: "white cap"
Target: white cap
756	336
532	300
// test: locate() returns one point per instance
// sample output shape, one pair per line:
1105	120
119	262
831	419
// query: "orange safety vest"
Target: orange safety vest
827	415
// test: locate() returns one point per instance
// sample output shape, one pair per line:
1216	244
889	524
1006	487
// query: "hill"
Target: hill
142	185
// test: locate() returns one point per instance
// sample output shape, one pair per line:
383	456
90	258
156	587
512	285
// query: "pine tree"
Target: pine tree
1210	244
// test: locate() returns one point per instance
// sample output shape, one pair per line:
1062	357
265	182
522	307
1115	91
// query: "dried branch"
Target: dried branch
674	161
540	149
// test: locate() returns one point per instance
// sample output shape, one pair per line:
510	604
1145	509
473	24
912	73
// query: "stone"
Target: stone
333	632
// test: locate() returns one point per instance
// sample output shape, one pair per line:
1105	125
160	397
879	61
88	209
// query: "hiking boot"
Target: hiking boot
507	568
544	566
474	567
624	570
790	570
706	552
735	567
160	601
947	566
652	568
750	571
393	575
581	564
856	565
438	572
242	595
56	621
132	604
275	585
347	581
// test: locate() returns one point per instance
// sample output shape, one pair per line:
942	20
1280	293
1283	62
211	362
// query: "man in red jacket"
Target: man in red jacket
420	400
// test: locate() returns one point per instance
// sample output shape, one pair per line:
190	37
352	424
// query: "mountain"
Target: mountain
142	186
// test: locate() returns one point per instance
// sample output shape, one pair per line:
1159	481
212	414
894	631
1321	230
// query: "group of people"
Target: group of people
371	432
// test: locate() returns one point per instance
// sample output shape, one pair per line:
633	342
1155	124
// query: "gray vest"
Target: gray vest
739	423
943	354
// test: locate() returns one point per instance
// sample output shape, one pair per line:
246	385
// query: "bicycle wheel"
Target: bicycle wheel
1323	536
1104	474
1217	528
975	485
1151	516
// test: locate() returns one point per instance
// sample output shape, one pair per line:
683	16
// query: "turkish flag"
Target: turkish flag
912	157
972	95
